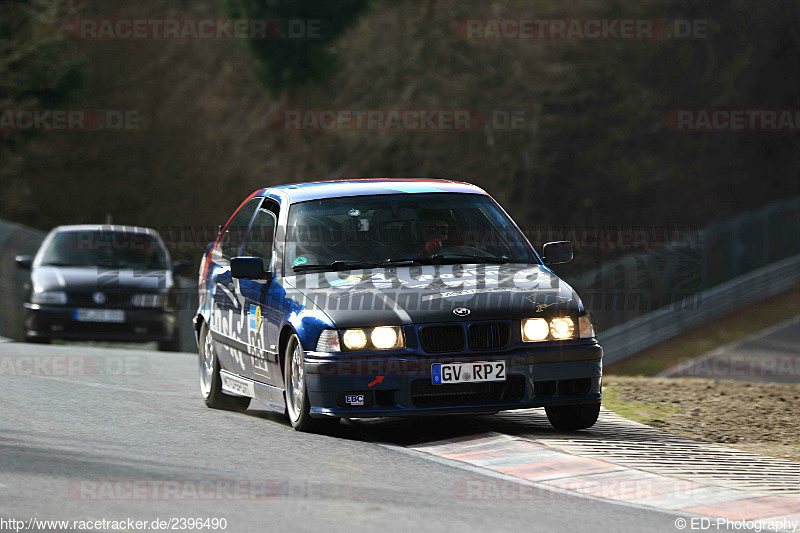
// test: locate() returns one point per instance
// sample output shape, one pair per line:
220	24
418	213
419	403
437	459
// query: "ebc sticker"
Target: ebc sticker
354	399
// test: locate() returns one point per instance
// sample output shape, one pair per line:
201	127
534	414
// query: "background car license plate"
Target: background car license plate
100	315
478	371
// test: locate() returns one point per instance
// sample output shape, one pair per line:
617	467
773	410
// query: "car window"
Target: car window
232	239
261	237
110	249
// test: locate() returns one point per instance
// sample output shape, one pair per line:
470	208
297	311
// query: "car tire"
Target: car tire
171	345
210	380
37	340
573	417
298	407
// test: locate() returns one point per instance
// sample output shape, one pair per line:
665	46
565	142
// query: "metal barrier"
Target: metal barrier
638	334
669	275
15	239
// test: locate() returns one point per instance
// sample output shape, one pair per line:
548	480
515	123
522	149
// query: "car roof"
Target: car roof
106	227
316	190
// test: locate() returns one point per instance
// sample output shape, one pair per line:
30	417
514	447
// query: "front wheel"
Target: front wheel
210	380
297	405
33	339
573	417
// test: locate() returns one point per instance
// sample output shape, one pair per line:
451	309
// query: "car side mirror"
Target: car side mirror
181	268
248	268
557	252
25	262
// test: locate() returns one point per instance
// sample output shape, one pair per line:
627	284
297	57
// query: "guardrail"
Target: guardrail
15	239
640	333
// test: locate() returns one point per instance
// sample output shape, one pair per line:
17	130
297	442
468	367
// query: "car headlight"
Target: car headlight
379	338
535	329
540	329
562	328
149	300
329	341
48	297
384	338
586	327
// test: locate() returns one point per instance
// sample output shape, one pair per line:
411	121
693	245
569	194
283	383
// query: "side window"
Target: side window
231	241
261	238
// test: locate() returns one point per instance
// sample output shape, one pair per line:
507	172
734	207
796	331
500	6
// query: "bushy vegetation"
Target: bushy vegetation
593	147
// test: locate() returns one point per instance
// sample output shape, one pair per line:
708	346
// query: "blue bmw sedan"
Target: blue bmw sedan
390	297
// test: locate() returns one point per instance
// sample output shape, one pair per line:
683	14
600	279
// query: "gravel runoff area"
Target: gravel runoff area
757	417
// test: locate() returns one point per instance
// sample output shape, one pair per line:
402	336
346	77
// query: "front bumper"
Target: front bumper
547	376
58	322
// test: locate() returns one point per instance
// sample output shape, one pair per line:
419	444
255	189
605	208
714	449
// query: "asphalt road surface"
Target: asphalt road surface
98	433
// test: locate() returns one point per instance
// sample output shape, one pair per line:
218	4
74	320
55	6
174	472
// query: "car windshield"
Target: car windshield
372	231
111	249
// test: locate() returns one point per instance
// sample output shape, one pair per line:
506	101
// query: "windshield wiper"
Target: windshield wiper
337	265
353	265
477	259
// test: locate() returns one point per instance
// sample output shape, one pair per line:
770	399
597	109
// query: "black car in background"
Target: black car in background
95	282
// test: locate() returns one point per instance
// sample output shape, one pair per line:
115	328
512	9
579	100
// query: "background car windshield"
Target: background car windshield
136	251
375	229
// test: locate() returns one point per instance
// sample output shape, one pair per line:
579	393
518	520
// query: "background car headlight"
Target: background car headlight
354	339
586	327
329	341
149	300
49	297
562	327
535	329
384	338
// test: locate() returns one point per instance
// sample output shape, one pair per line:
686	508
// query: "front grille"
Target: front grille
442	339
426	394
114	300
489	336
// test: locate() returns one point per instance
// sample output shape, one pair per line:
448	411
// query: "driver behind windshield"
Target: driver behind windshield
436	234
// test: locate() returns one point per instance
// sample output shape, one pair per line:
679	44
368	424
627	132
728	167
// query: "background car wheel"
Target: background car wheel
297	405
572	417
37	340
171	345
210	380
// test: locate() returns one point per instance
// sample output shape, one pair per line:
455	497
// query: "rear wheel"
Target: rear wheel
37	340
297	405
210	380
171	345
572	417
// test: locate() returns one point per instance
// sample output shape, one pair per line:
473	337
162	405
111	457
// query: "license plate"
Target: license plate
100	315
477	372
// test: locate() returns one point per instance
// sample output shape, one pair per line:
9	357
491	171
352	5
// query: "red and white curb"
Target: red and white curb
549	472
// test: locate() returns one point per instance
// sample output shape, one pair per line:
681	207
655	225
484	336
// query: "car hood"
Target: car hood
80	279
445	293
